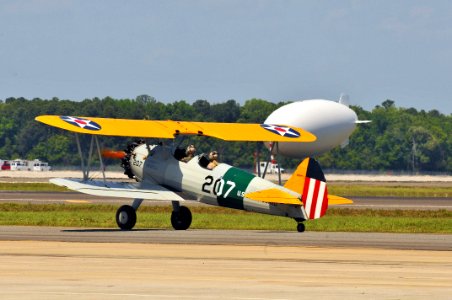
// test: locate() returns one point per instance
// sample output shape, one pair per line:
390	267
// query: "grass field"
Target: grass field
102	216
29	186
355	220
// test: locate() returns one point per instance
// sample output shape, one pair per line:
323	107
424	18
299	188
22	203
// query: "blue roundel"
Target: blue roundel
281	130
82	123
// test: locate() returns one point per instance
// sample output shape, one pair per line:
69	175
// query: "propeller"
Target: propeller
124	156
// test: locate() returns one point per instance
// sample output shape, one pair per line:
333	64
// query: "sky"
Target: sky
235	49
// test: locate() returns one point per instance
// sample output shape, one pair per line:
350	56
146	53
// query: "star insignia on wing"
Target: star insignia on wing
82	123
281	130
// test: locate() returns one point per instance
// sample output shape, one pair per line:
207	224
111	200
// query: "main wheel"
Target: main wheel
126	217
181	219
301	227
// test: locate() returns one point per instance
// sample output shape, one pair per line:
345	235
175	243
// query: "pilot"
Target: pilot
189	153
213	158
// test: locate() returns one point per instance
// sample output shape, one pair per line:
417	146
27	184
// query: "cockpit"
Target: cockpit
203	158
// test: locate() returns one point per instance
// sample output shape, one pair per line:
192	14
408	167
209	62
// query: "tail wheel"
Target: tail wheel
126	217
181	219
301	227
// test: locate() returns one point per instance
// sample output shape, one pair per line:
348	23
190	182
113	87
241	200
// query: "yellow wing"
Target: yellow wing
170	129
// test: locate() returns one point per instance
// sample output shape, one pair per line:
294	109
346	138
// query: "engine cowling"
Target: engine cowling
126	160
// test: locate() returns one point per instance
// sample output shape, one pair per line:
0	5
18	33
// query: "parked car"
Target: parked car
29	165
5	166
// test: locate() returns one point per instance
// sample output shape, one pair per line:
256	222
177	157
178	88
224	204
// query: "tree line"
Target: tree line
397	139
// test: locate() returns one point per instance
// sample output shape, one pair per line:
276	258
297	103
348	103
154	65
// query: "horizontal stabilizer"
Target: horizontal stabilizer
118	189
362	121
273	196
336	200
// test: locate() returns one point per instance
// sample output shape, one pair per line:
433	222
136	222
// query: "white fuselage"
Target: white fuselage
223	186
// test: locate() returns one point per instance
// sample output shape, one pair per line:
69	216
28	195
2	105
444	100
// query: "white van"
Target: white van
20	165
40	166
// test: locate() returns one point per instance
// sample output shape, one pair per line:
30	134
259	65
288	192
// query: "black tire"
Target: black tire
181	220
301	227
126	217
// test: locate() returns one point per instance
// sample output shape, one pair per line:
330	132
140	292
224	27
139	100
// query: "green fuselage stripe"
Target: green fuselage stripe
241	180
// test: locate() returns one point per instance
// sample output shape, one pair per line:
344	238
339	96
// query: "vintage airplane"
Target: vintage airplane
161	175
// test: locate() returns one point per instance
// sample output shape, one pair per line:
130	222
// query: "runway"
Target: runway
61	270
80	263
74	263
435	242
359	202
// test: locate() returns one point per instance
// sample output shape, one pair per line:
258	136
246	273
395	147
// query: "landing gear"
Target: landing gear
181	218
126	217
301	227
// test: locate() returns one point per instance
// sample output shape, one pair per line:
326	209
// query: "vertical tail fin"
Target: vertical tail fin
344	99
309	181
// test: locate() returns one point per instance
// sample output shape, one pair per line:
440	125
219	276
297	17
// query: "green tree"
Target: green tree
256	111
227	112
58	149
385	144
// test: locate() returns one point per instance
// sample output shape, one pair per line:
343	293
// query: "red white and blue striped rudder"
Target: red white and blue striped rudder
315	192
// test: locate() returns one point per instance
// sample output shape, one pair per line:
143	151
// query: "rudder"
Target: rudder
309	181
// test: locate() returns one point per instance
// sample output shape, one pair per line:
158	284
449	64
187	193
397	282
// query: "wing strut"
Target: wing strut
86	162
258	159
101	161
270	160
85	170
279	165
